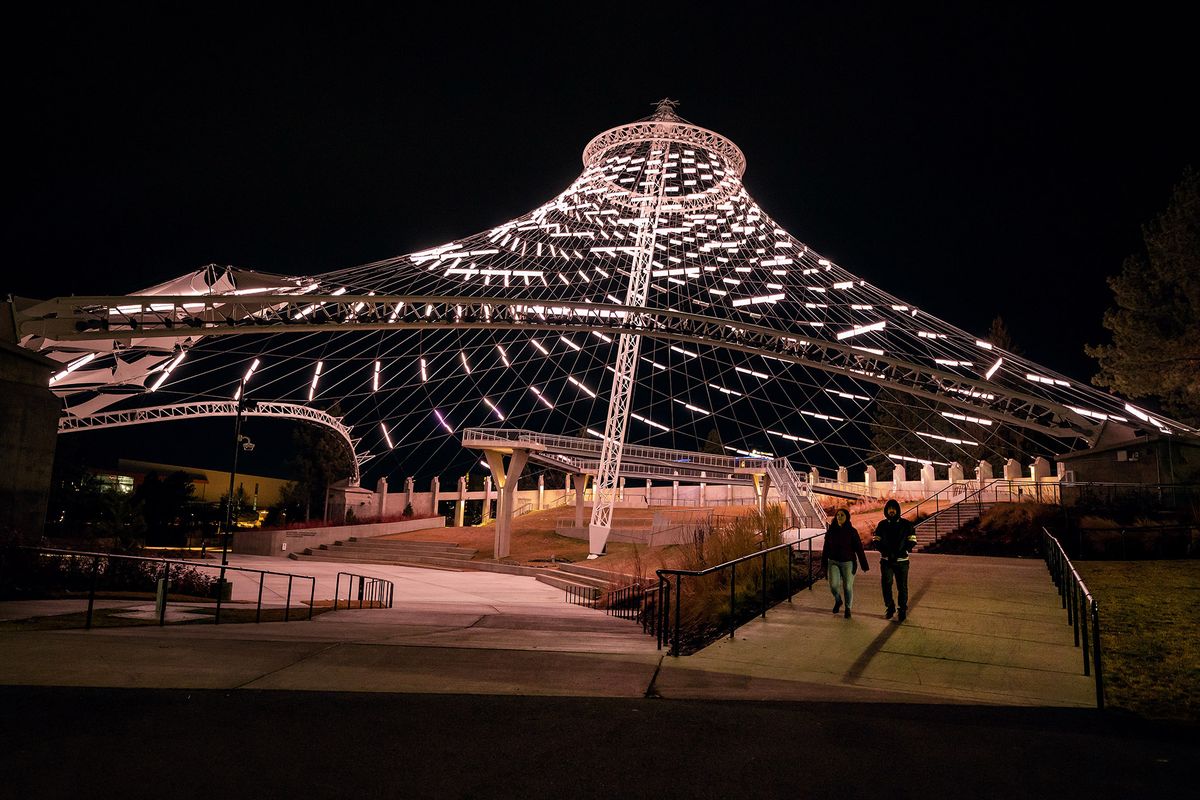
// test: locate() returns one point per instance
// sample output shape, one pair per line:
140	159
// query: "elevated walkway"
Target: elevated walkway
580	458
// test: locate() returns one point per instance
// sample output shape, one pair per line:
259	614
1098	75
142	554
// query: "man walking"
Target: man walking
895	537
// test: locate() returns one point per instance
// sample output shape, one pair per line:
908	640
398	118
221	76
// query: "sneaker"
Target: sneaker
902	616
891	612
847	613
837	605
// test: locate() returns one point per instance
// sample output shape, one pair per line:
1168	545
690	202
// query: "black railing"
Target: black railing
633	602
586	596
994	491
802	568
164	580
374	592
941	499
1080	605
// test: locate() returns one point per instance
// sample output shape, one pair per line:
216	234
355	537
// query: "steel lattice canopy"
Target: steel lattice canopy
753	342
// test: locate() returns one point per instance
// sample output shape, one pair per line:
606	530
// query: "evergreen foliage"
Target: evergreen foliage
1155	325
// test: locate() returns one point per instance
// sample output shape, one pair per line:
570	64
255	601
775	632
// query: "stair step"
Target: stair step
560	582
456	552
391	562
612	578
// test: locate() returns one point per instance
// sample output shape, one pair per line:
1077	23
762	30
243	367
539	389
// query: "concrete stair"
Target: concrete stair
441	555
447	555
949	520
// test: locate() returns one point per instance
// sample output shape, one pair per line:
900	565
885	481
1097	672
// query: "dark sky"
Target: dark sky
975	163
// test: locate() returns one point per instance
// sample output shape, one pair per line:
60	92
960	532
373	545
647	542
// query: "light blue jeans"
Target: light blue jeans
841	581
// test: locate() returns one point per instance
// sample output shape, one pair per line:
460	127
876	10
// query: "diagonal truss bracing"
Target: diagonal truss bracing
185	411
748	342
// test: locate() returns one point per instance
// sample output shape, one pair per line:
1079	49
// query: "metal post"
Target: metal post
658	611
678	594
1083	640
1076	596
811	579
166	581
312	596
732	600
287	609
789	573
764	585
262	576
87	625
1096	654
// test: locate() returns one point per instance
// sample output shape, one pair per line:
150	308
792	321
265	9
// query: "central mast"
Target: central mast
625	369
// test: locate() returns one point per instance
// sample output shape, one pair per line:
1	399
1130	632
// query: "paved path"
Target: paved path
980	630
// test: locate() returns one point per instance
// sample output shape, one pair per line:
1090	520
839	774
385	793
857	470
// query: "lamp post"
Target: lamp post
240	442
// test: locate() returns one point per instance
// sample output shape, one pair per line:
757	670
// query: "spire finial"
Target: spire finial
665	109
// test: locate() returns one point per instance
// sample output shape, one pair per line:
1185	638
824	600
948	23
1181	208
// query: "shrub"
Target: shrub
704	602
26	574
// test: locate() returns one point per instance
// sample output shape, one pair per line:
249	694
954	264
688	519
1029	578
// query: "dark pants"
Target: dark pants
898	569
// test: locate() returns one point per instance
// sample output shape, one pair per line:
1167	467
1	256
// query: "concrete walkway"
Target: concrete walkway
980	630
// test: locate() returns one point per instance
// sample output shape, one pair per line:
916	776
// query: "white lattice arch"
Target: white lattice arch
203	410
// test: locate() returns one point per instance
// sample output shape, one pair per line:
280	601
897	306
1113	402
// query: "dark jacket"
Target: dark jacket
894	538
842	543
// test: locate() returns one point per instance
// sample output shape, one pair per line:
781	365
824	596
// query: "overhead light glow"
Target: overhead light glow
245	379
965	418
494	409
861	329
74	365
541	397
167	371
312	389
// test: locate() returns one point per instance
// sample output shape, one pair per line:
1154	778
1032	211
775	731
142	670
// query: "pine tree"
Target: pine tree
1155	326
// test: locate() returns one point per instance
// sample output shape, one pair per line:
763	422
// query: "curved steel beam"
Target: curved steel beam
84	318
219	408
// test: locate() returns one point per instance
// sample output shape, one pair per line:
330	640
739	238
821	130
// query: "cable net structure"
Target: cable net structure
751	343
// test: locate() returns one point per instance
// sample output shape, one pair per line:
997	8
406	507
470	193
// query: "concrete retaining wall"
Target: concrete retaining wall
280	543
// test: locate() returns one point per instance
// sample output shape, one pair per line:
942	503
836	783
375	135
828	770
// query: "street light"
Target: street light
240	442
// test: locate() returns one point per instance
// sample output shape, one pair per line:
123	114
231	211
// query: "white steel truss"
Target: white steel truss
181	411
625	368
742	338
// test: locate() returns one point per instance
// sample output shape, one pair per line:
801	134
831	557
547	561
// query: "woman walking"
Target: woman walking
842	547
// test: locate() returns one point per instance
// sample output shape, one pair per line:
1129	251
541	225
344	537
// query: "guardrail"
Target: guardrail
1079	604
165	580
370	590
667	632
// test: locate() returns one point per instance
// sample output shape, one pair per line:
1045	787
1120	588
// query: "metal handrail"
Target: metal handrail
1079	604
995	486
662	605
166	578
955	488
594	446
797	493
370	590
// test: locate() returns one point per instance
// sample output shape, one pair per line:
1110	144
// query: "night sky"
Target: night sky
973	163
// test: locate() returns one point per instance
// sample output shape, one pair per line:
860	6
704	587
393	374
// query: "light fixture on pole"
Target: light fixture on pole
240	442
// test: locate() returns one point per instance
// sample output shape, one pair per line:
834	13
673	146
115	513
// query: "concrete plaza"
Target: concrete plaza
980	631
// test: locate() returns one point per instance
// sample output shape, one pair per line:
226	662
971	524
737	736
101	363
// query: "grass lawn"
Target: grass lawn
1149	634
